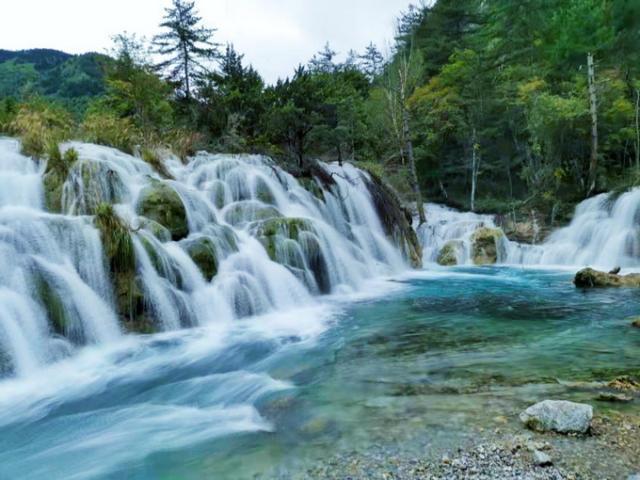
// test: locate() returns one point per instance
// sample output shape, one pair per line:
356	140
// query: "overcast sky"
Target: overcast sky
274	35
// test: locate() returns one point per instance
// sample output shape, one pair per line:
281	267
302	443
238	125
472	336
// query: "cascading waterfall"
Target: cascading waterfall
255	241
448	226
604	232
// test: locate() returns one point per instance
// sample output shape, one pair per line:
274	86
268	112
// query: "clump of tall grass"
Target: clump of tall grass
152	157
105	128
40	125
116	240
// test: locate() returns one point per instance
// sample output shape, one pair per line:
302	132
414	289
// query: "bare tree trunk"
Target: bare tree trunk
593	101
637	129
475	169
413	174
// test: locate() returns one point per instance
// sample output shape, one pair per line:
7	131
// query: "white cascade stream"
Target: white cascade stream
56	292
604	233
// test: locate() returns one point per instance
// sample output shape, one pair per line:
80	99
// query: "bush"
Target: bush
105	128
184	143
152	158
40	125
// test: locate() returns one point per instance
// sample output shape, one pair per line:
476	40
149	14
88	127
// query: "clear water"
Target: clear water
424	362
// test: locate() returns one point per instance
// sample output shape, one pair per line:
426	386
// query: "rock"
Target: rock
590	278
396	220
558	416
204	254
161	233
624	383
614	397
162	204
448	255
636	323
542	459
485	245
53	183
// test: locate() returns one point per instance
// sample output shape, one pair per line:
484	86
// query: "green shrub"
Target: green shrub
39	126
105	128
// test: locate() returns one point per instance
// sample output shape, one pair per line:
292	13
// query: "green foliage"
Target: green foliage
40	124
116	239
106	128
71	80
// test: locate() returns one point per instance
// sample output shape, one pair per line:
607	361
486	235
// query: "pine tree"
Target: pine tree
322	62
186	44
372	61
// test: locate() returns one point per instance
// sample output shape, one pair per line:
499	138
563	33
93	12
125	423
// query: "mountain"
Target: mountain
71	79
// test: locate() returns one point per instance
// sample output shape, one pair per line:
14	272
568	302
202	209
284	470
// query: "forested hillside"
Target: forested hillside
493	101
70	79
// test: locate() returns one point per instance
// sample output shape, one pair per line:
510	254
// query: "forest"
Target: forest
491	106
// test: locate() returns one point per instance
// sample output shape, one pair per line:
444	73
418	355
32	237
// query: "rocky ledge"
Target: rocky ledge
590	278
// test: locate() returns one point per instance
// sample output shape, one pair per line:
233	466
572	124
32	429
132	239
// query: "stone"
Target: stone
614	397
162	204
636	323
448	255
590	278
204	254
624	383
542	459
558	416
485	245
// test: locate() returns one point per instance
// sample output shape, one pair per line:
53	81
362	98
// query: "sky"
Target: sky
274	35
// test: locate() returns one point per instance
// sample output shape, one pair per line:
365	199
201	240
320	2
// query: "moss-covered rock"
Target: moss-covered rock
448	255
162	204
485	245
288	228
89	184
590	278
204	254
53	305
395	218
293	242
249	211
119	252
161	233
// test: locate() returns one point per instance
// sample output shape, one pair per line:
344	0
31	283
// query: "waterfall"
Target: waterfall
252	240
449	226
604	232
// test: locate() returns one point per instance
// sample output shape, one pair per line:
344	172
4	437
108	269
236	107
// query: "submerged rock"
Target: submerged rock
624	383
485	245
558	416
590	278
636	323
448	255
162	204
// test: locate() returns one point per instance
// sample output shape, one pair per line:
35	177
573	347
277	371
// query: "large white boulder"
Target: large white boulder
558	416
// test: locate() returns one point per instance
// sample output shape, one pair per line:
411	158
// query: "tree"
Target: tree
402	79
134	90
186	43
372	61
322	62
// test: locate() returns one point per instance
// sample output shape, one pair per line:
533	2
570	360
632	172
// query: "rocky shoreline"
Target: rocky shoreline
610	451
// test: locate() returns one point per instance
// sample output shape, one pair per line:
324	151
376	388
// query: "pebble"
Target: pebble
542	459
